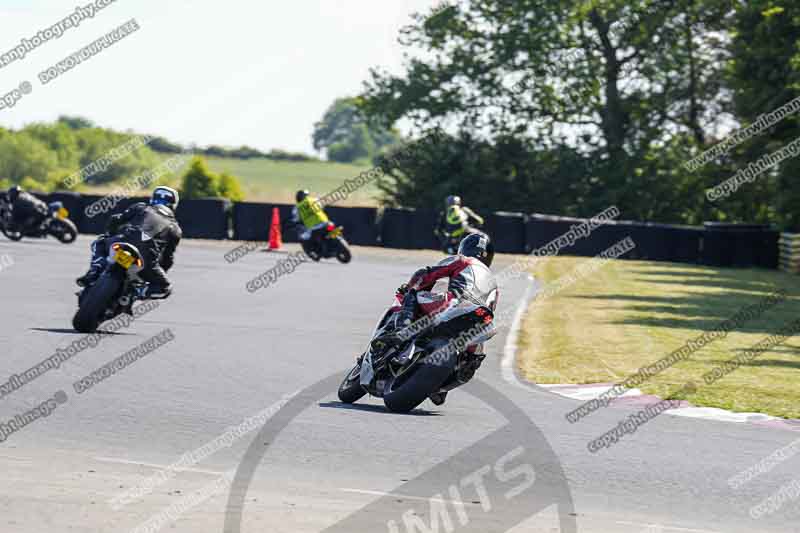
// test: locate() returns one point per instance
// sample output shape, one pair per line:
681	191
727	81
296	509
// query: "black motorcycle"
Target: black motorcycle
114	292
57	224
428	364
331	244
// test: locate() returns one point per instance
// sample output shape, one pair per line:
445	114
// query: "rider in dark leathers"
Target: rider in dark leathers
153	230
29	212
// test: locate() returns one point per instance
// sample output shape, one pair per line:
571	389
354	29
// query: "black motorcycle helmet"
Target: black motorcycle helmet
13	193
453	200
300	196
477	245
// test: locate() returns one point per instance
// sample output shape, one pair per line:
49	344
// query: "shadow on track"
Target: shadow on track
372	408
73	332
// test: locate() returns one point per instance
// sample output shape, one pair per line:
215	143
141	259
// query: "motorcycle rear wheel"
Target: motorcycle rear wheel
94	304
311	251
404	393
63	230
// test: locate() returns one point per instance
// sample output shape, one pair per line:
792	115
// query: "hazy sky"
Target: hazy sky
227	72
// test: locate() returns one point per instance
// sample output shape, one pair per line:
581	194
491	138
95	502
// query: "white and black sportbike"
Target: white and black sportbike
424	365
429	343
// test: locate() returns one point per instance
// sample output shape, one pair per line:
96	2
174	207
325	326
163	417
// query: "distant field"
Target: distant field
277	181
630	314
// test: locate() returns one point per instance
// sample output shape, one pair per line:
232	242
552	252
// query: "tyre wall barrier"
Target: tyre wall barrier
205	218
359	223
740	245
714	244
542	230
251	221
507	231
410	229
654	242
93	216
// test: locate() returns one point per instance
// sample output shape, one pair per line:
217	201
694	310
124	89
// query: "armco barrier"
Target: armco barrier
205	218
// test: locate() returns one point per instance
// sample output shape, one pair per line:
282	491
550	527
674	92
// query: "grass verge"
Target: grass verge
629	314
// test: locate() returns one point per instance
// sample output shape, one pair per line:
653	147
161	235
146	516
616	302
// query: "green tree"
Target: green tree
230	187
75	123
611	81
347	136
765	75
199	181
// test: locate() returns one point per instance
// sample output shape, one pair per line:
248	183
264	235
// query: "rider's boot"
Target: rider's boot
401	320
438	398
154	291
93	274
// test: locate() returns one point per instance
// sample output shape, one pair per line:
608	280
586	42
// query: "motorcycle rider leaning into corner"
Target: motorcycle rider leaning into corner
456	219
28	211
309	217
470	279
153	230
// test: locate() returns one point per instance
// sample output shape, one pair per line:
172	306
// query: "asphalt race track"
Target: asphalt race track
496	457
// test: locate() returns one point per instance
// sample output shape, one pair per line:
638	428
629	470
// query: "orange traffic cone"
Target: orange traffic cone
275	239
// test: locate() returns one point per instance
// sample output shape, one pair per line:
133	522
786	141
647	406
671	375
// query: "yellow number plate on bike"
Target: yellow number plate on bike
336	233
62	213
124	259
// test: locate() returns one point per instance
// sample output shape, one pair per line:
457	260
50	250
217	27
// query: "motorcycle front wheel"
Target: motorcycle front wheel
350	391
11	234
343	254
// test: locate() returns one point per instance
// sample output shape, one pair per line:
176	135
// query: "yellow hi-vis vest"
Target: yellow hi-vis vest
456	220
311	212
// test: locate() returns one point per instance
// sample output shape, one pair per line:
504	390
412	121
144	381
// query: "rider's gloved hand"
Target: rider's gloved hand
403	289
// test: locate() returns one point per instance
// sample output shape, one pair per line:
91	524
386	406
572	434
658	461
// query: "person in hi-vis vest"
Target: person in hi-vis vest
309	217
456	220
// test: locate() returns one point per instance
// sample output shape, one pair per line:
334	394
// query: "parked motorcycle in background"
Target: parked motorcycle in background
57	224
